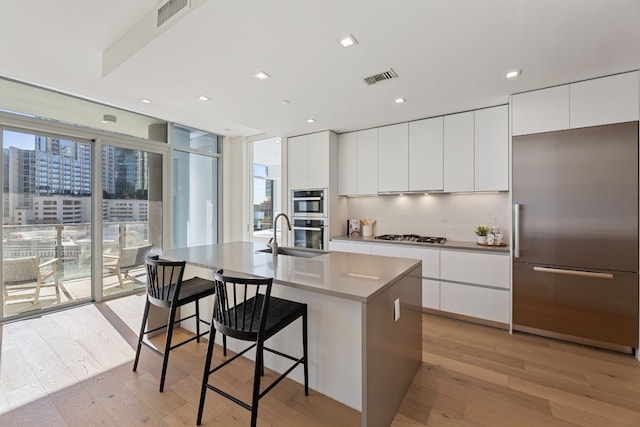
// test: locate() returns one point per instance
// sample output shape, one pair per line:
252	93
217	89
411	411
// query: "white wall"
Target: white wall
234	201
453	216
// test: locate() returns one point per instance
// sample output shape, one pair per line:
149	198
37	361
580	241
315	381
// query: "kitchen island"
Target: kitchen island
365	322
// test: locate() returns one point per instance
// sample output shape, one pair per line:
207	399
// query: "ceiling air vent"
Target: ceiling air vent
169	9
387	75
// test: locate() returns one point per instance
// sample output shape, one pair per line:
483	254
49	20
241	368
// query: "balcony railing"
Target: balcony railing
71	243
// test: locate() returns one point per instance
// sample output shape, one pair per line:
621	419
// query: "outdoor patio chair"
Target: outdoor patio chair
26	273
128	259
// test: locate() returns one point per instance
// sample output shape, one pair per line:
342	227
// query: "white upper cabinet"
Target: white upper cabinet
492	149
458	152
393	158
426	154
319	160
541	110
298	159
367	160
358	163
308	161
612	99
348	163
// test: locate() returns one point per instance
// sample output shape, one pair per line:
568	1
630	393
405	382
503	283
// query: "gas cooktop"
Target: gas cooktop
411	238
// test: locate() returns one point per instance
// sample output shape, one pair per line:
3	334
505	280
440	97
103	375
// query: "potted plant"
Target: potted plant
482	231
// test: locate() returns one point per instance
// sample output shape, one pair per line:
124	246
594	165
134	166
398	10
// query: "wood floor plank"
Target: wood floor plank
586	403
481	393
467	369
76	405
82	364
19	383
583	418
6	418
40	412
123	405
487	416
44	362
420	401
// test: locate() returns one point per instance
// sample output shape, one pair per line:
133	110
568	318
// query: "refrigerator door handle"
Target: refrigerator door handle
574	272
516	230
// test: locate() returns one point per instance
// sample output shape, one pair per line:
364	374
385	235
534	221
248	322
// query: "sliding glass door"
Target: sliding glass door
46	232
131	216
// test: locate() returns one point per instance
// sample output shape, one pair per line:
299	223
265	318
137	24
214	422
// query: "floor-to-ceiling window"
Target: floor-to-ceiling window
46	232
196	157
267	198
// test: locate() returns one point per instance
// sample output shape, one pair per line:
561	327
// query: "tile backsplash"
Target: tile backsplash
453	216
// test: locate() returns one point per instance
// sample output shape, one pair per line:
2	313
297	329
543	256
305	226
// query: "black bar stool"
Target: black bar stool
165	288
244	309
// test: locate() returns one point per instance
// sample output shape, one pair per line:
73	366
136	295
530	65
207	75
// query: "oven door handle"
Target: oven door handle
300	199
308	228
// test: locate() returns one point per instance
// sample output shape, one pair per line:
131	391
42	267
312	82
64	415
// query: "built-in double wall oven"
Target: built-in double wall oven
309	218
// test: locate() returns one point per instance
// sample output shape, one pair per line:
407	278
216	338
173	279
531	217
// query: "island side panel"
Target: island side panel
334	341
393	349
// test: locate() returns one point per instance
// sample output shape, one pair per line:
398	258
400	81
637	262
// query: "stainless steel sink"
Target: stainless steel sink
298	252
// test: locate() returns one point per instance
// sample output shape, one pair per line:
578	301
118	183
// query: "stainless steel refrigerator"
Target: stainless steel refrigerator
575	265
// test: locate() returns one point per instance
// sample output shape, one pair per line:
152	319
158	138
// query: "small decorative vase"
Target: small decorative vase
482	240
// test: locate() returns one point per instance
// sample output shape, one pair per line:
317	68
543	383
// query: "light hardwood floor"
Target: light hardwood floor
74	369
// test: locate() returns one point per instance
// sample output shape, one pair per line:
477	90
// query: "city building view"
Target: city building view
47	203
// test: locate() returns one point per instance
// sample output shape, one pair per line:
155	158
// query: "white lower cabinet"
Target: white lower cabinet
430	257
431	294
469	283
355	247
475	268
481	287
475	301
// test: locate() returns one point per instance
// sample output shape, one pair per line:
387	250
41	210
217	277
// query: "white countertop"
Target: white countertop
346	275
449	244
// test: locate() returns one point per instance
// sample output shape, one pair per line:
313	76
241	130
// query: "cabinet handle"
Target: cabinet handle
574	272
516	230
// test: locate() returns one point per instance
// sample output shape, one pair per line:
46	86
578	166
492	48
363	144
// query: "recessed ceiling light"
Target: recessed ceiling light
399	100
348	41
513	74
109	118
285	101
311	121
262	75
145	101
203	98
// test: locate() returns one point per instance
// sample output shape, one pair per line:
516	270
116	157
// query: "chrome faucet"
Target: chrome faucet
274	240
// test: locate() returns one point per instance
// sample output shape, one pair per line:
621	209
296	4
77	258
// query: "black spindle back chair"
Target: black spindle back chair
166	288
164	280
244	309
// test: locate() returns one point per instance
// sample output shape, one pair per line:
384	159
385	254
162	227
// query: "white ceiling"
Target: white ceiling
450	56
